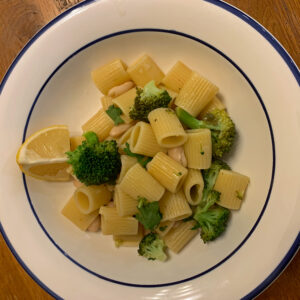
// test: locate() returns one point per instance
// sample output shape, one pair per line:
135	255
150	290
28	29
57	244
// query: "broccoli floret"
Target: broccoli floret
152	247
221	126
95	162
148	99
212	221
149	214
211	218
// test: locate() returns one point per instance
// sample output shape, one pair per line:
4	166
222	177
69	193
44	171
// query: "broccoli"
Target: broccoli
211	218
221	126
152	247
114	113
148	99
95	162
212	221
149	214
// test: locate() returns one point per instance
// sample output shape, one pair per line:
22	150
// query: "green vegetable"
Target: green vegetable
218	121
95	162
115	113
211	218
152	247
212	221
142	160
163	228
149	214
148	99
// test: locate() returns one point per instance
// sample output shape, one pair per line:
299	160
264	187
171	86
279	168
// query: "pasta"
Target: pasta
153	181
125	102
198	148
177	76
75	141
167	128
143	141
170	173
232	187
81	220
106	101
129	240
174	207
193	187
125	204
127	162
113	224
91	198
180	235
195	94
110	75
215	103
143	70
139	183
100	123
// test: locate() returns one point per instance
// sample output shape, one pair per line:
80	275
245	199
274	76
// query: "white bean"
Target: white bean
120	89
95	225
119	129
177	154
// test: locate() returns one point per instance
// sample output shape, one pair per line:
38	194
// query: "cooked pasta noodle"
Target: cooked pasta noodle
111	74
198	148
215	103
113	224
127	162
137	182
180	235
170	173
174	207
195	94
144	69
125	204
91	198
143	141
193	187
177	76
164	227
129	240
167	128
106	102
232	186
75	141
82	221
100	123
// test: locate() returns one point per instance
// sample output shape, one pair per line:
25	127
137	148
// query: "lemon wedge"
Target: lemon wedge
42	155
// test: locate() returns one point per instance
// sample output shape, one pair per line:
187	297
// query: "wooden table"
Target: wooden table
21	19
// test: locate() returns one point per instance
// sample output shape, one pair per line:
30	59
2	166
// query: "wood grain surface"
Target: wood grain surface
21	19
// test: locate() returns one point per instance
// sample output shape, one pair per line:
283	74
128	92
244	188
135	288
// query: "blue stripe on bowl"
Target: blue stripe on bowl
285	56
271	135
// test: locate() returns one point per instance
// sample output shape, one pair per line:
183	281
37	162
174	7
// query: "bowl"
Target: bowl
261	237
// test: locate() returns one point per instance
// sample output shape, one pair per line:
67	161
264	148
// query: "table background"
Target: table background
21	19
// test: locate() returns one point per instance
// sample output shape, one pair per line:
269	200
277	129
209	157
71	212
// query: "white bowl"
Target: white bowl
49	83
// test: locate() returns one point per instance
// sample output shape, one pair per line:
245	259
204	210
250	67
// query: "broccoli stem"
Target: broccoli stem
191	121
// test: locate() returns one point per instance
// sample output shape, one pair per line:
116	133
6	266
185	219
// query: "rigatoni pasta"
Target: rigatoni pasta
81	220
127	162
195	94
180	235
177	76
144	69
75	141
100	123
129	240
198	148
167	129
106	102
167	171
232	186
143	141
193	187
125	204
174	207
215	103
110	75
113	224
139	183
91	198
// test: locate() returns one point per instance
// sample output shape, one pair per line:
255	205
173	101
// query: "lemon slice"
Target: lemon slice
43	156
